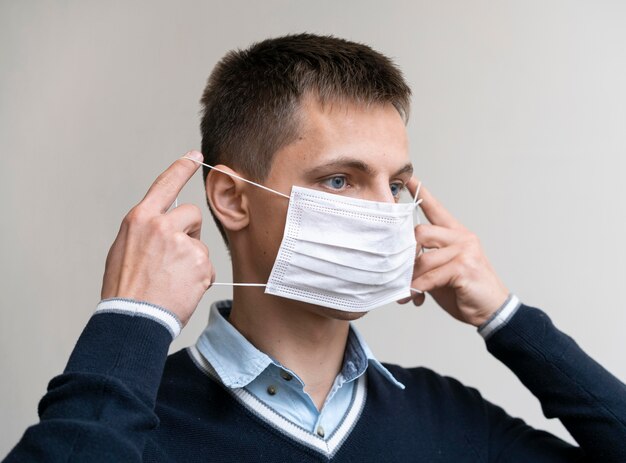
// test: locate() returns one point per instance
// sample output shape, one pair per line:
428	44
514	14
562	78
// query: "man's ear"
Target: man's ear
225	195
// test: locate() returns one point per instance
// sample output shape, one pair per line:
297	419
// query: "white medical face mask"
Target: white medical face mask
344	253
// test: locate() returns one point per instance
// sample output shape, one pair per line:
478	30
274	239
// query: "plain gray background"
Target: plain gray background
518	122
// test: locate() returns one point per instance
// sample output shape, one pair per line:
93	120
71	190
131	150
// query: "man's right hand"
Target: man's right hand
157	256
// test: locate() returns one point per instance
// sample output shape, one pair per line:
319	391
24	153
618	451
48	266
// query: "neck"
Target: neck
308	343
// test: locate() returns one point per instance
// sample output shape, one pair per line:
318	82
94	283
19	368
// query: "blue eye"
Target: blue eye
396	188
337	183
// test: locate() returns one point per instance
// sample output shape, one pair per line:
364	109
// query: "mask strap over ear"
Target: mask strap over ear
215	283
239	178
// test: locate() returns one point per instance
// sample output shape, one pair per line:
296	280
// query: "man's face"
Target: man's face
349	150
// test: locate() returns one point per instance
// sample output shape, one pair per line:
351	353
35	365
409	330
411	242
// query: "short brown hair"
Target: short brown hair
250	103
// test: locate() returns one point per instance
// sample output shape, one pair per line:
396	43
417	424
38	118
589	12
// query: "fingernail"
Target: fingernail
195	155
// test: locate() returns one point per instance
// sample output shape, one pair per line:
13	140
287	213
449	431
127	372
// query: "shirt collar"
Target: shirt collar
237	362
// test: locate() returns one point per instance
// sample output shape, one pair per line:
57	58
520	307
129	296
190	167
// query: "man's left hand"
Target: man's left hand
454	270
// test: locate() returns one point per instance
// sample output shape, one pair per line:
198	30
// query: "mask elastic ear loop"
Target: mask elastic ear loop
417	202
238	284
238	177
417	193
243	180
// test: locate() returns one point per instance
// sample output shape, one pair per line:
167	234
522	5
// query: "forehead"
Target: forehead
372	134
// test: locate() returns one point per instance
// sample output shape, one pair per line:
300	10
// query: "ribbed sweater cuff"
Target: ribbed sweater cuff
530	325
500	317
142	309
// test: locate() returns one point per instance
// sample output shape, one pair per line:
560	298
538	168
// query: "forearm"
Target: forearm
570	385
102	407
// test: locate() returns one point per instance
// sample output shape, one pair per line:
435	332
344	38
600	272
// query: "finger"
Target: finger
434	236
186	218
432	259
438	277
412	186
166	187
426	262
418	299
435	212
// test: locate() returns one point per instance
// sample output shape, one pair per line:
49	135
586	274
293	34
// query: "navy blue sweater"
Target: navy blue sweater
121	399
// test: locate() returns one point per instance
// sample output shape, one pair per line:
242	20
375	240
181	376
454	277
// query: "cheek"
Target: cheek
267	225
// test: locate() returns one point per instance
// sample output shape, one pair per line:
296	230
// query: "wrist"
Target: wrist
490	306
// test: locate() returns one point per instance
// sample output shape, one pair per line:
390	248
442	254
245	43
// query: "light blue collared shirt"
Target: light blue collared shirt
241	365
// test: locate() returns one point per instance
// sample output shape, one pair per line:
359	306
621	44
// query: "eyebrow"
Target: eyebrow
353	163
407	169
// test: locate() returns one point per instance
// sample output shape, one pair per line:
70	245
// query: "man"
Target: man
306	133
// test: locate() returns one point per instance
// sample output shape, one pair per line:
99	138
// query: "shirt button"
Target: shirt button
271	390
320	431
286	376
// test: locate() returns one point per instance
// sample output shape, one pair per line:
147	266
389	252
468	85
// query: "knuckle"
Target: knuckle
135	216
462	280
201	258
196	212
467	268
465	262
208	279
205	249
161	226
179	239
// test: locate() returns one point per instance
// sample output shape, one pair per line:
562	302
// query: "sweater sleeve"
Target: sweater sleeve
102	407
571	386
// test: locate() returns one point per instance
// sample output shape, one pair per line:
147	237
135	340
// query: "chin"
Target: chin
318	310
335	314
